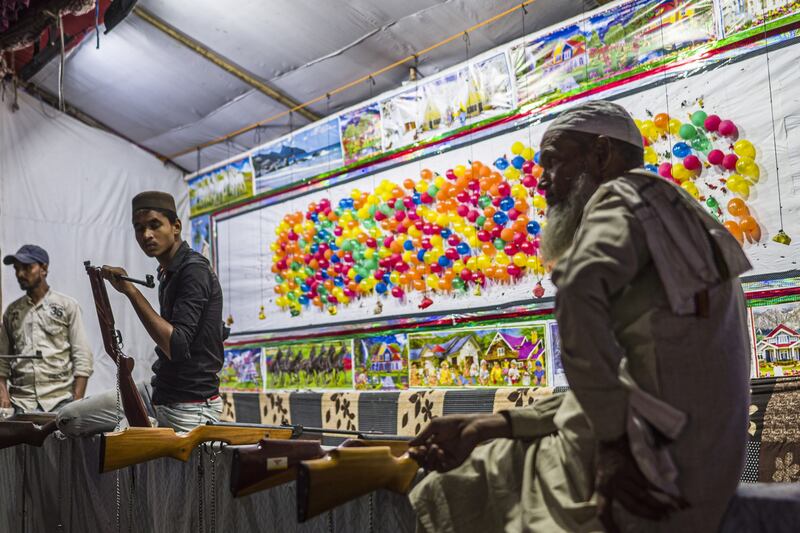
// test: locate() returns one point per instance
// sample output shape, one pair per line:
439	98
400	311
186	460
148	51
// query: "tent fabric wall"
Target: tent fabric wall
67	187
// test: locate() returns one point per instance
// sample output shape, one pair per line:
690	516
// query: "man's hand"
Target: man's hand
112	274
619	478
447	441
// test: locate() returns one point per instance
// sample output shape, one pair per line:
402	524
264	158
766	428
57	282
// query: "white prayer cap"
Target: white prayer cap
599	117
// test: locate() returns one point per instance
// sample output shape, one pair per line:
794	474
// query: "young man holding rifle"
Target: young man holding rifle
188	330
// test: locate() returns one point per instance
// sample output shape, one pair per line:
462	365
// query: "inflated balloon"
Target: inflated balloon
665	170
527	154
681	149
692	162
661	121
699	118
680	173
715	157
533	227
518	161
750	228
711	123
744	148
701	144
729	161
687	131
691	188
727	128
712	203
735	230
737	207
747	167
501	163
674	126
650	155
517	148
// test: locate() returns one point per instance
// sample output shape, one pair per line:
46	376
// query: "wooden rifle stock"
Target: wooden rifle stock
274	462
132	403
136	445
348	473
23	429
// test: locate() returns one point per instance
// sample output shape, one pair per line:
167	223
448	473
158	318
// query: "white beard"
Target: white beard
564	219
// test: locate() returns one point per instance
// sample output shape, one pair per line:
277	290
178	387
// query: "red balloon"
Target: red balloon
712	123
715	156
484	236
729	161
727	128
504	189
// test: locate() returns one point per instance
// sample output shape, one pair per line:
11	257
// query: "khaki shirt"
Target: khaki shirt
54	327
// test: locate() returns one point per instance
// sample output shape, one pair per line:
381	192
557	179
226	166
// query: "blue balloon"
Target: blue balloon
386	278
651	168
304	287
358	278
500	218
303	299
324	274
506	203
338	281
380	287
443	261
416	198
408	245
421	255
501	163
333	246
315	216
335	259
533	227
536	157
681	149
314	248
518	161
463	248
445	233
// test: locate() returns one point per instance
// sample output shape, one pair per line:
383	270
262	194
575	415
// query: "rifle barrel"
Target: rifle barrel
37	355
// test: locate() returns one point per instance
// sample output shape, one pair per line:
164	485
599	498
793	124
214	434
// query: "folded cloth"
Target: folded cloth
678	232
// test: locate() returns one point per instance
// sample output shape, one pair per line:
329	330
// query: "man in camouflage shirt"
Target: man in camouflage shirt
46	321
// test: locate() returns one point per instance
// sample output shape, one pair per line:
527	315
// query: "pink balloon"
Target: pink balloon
715	157
692	162
729	161
712	123
665	170
727	128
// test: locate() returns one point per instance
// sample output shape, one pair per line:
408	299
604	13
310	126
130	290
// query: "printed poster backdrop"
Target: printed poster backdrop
381	362
616	43
559	377
242	370
319	365
776	339
505	356
360	131
435	107
748	17
741	189
201	235
226	184
308	152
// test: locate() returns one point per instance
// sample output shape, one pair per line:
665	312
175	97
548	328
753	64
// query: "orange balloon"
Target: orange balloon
408	183
425	174
489	211
485	171
494	190
738	208
507	234
735	230
661	121
419	285
748	224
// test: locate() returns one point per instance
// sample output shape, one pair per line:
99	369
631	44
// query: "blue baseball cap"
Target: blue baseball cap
28	254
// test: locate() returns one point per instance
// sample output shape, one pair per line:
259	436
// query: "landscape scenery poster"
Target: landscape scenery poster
381	362
223	185
242	370
322	365
615	43
306	153
507	356
361	132
776	341
750	16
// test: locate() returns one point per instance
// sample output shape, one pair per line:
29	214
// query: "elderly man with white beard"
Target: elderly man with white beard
652	434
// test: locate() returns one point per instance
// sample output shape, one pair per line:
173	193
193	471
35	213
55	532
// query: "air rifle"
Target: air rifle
132	403
345	474
29	429
273	462
136	445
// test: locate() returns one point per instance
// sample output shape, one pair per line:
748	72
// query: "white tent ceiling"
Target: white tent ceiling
166	97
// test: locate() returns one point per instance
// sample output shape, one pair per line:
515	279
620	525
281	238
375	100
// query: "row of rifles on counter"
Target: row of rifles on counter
264	456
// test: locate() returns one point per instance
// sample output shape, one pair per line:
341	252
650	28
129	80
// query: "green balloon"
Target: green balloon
699	118
480	221
701	144
398	204
687	132
485	200
499	243
432	189
458	283
279	278
372	209
295	265
712	202
386	209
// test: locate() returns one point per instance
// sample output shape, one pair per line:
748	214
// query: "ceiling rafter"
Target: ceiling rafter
224	63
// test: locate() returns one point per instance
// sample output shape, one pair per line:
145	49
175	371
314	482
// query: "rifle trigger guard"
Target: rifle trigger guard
118	338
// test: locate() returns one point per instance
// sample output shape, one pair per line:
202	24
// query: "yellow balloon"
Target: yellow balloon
472	263
517	148
744	148
674	126
458	266
680	172
539	202
747	167
518	191
502	259
394	277
421	186
691	188
511	173
355	194
459	170
432	281
650	155
527	153
520	259
484	262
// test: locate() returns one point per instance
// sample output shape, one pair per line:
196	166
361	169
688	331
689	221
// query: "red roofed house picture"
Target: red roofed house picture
777	339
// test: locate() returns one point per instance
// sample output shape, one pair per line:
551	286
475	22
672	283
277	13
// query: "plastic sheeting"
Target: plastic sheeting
168	98
67	187
59	485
